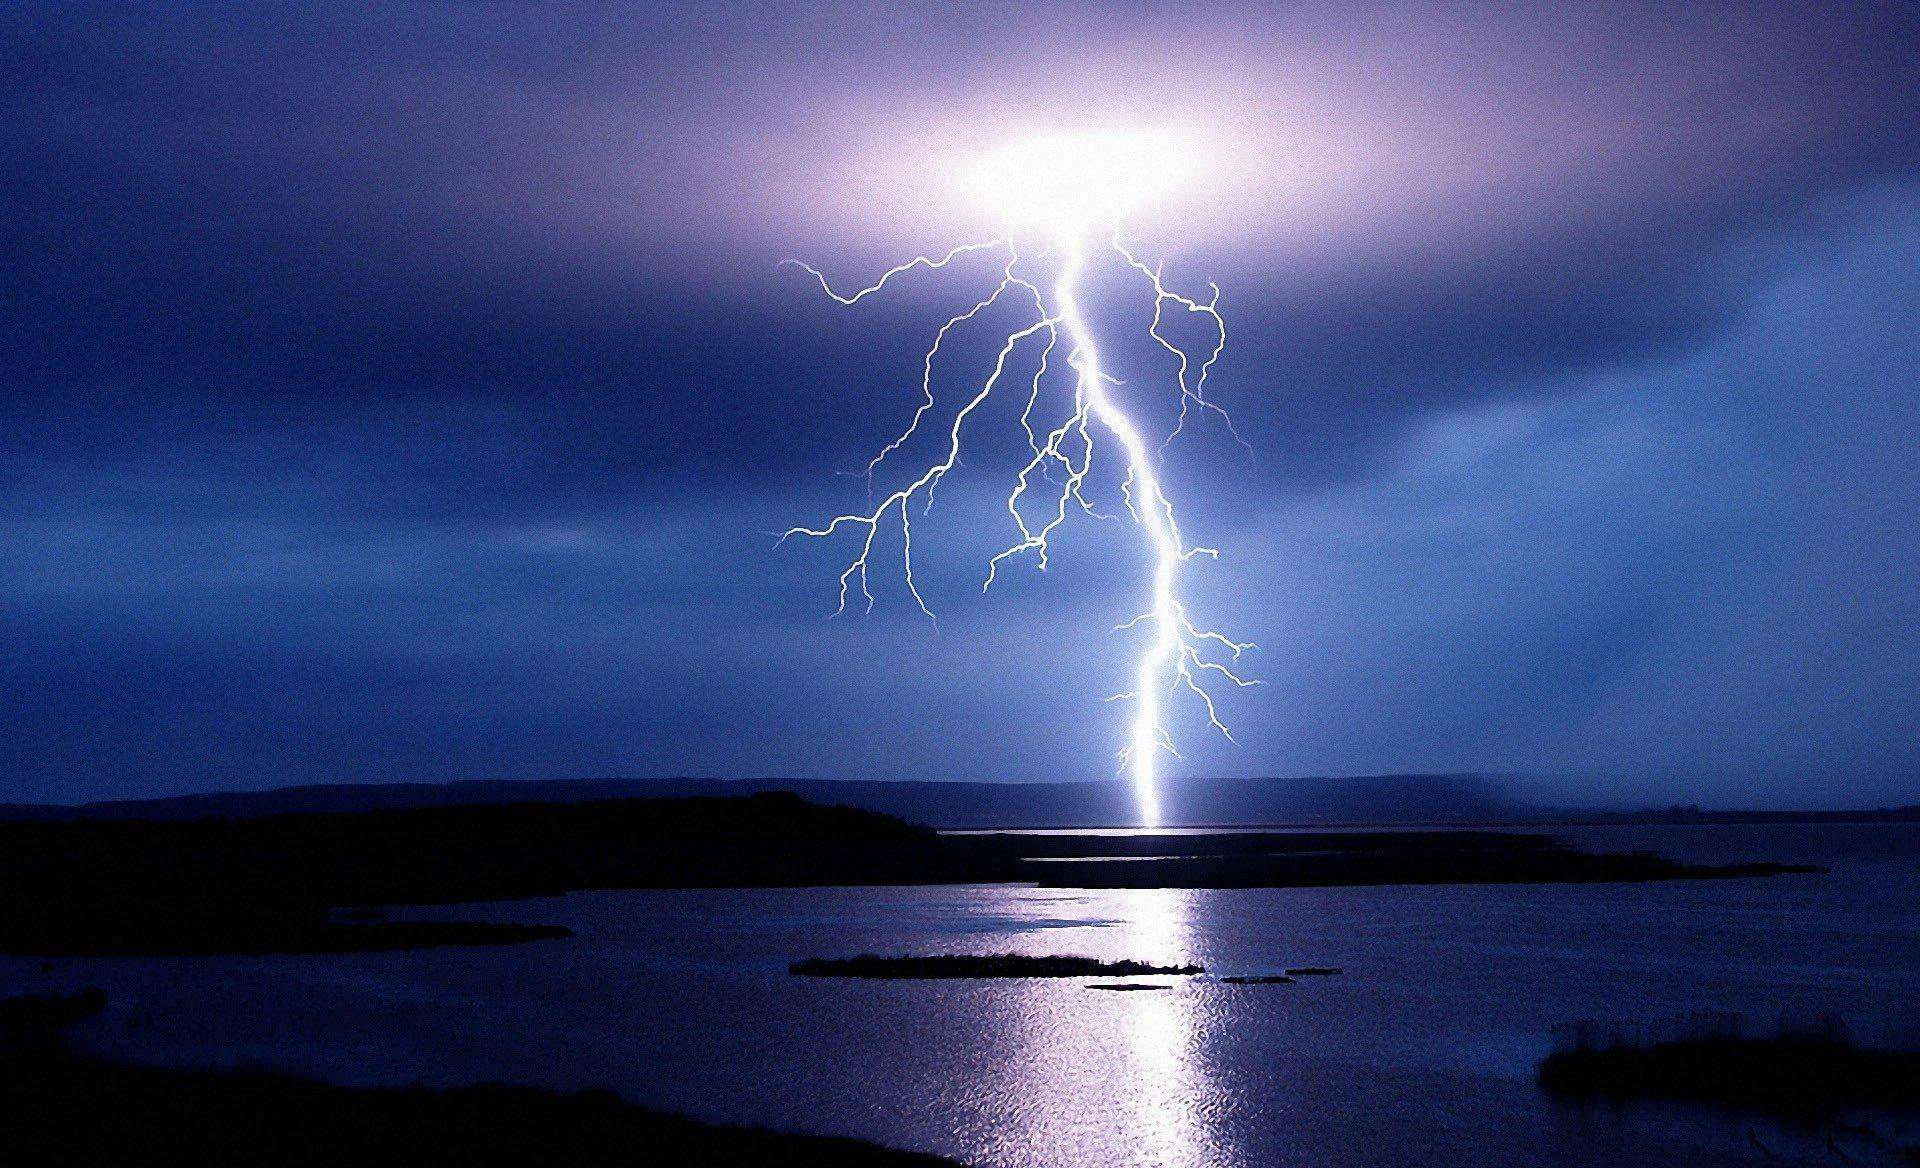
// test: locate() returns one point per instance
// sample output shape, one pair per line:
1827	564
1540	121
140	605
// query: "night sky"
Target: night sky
410	392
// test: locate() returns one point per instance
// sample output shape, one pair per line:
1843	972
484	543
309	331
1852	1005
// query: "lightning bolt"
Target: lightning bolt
1179	656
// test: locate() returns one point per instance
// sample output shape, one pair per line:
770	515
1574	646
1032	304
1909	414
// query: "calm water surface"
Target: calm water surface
1421	1053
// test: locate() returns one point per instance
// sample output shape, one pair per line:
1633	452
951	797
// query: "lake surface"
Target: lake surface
1421	1053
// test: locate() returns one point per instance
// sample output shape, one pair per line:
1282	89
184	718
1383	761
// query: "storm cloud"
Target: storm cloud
409	392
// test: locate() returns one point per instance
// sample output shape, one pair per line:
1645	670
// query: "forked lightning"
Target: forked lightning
1179	656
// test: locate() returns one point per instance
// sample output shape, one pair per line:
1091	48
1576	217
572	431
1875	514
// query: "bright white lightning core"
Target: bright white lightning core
1073	192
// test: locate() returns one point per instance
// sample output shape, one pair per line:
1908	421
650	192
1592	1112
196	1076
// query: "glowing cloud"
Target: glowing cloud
1072	191
1060	184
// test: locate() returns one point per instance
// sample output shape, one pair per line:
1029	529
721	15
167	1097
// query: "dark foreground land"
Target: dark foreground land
279	883
60	1109
993	965
1789	1076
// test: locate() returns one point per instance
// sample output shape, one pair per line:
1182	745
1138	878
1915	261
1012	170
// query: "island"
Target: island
868	965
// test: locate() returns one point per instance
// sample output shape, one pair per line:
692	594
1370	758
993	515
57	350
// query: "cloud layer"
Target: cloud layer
407	392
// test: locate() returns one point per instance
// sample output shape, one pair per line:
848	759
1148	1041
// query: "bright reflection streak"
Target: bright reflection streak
1166	1088
1096	1076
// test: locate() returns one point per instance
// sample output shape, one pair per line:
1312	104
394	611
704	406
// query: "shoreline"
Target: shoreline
283	883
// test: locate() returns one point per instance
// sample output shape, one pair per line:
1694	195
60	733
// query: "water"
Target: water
1421	1053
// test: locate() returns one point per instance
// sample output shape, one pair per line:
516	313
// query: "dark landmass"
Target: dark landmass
36	1019
279	883
1315	971
1788	1076
1437	857
956	805
1259	802
295	933
868	965
1683	815
1127	987
272	885
58	1110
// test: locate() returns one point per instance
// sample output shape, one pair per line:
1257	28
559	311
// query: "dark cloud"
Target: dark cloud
417	381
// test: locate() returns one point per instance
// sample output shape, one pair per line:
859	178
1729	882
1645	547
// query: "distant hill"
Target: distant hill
1373	799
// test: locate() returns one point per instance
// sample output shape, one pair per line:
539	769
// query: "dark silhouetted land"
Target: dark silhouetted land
1438	798
273	884
30	1020
992	965
1200	802
1789	1075
278	883
60	1110
1323	859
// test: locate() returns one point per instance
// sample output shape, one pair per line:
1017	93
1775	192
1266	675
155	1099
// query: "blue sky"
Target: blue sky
410	394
